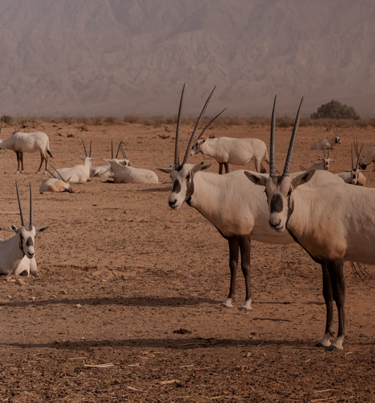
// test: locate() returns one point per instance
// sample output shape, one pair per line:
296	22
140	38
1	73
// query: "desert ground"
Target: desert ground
126	305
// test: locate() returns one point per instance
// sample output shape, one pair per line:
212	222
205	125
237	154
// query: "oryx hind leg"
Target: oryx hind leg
233	265
43	158
245	249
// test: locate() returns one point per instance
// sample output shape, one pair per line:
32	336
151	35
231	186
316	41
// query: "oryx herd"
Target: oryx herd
323	212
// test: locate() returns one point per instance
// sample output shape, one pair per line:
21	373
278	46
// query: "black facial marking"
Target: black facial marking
276	204
176	186
29	241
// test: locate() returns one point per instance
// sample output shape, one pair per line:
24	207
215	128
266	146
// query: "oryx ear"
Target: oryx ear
303	178
41	229
13	227
256	179
200	167
166	170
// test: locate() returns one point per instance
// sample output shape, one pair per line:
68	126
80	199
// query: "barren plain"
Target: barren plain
126	306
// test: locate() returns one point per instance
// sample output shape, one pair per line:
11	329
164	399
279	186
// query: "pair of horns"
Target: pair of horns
357	152
20	207
187	153
288	160
58	173
118	150
83	143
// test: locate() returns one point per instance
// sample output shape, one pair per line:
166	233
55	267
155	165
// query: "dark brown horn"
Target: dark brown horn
351	152
272	142
118	150
111	149
83	143
176	147
58	173
324	152
123	153
288	161
187	153
90	149
20	206
358	156
209	124
31	207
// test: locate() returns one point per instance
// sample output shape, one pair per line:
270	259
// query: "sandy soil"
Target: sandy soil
125	281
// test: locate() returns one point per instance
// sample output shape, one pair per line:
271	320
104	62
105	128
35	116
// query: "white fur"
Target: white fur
77	173
105	171
128	174
54	185
325	144
367	159
353	177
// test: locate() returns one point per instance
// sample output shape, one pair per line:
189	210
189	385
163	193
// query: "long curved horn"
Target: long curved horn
351	152
20	206
31	207
272	142
111	149
358	156
209	124
324	152
187	153
90	149
123	152
176	147
288	161
118	150
83	143
58	173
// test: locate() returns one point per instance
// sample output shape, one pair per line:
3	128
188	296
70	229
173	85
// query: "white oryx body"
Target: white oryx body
367	159
77	173
353	178
227	150
128	174
17	254
54	185
326	144
321	163
333	223
28	143
105	171
238	212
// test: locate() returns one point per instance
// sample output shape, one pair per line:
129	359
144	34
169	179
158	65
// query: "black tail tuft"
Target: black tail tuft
49	153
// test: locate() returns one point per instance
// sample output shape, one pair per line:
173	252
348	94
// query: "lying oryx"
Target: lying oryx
239	212
105	171
55	184
78	173
355	175
334	224
28	143
128	174
322	164
226	150
17	254
326	143
367	159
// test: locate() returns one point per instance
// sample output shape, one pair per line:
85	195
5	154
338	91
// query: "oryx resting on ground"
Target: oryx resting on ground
55	184
227	150
322	164
333	223
105	171
17	254
28	143
355	175
77	173
367	159
239	212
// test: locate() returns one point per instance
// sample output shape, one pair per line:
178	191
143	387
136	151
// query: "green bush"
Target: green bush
6	119
335	110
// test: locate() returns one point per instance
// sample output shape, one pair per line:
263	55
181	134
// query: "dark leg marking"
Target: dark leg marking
245	248
233	265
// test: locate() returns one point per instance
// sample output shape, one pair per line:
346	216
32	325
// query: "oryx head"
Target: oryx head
26	233
355	171
124	161
56	175
279	188
182	175
326	160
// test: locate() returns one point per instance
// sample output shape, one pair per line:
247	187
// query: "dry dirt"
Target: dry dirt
120	274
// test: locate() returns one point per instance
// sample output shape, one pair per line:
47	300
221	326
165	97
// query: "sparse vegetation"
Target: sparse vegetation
335	110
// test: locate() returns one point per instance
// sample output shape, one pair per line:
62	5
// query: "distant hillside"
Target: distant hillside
114	57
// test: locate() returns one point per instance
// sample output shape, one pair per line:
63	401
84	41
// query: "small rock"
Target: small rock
78	305
182	331
364	335
33	298
63	292
19	281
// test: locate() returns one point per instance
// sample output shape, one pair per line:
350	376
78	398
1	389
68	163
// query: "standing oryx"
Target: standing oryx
327	143
78	173
28	143
238	211
227	150
17	254
333	223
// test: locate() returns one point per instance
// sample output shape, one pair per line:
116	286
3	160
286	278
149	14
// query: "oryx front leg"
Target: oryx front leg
221	168
245	248
18	161
328	298
233	265
226	167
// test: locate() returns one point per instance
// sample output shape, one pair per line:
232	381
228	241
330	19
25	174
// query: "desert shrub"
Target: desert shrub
335	110
7	119
132	119
258	121
285	121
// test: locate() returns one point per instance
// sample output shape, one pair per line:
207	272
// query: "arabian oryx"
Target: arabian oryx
333	223
327	143
226	150
321	163
239	212
28	143
128	174
105	171
355	175
367	159
78	173
55	184
17	254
